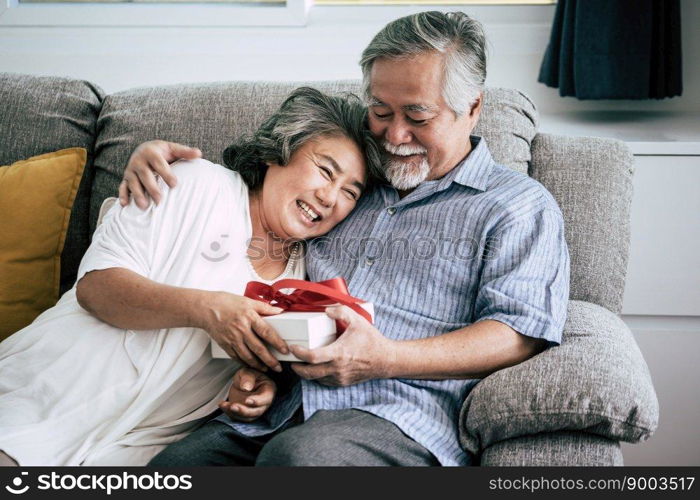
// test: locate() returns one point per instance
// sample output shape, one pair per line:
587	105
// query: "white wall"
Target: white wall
327	48
671	347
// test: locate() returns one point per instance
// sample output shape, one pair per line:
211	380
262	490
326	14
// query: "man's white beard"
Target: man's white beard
405	175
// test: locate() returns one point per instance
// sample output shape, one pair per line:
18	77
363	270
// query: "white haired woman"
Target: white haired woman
121	366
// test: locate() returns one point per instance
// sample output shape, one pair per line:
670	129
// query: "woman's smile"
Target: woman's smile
308	213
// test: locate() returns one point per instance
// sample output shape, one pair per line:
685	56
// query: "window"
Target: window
317	2
211	13
159	1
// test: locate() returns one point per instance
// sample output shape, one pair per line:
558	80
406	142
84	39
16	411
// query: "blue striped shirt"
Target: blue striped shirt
483	242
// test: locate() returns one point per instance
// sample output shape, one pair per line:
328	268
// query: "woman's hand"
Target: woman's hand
250	395
147	160
235	323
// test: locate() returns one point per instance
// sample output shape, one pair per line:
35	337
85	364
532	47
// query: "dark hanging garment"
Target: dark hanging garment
615	49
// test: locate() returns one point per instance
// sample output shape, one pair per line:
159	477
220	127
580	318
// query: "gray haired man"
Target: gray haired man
390	393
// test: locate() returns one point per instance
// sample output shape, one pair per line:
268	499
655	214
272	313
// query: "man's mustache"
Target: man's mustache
403	149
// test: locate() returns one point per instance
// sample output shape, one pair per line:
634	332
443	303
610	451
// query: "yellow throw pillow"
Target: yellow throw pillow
36	197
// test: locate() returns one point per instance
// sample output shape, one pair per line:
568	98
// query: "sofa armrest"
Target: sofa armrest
596	381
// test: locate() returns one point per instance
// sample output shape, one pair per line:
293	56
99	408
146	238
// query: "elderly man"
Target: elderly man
479	283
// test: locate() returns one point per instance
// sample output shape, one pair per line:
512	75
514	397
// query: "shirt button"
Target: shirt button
391	210
369	261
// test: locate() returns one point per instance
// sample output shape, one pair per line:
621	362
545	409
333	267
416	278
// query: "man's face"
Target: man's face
422	137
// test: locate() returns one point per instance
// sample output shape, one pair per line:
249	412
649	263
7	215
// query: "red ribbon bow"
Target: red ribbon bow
307	296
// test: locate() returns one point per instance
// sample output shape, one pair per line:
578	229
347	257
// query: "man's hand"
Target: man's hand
250	395
360	353
147	160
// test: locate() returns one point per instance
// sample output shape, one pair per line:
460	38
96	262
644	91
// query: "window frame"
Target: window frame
14	13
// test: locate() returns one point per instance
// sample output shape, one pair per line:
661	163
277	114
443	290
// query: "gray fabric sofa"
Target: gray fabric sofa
570	405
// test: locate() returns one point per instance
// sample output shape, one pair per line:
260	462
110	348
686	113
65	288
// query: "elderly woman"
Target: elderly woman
121	366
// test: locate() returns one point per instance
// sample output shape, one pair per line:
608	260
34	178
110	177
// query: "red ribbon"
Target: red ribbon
307	296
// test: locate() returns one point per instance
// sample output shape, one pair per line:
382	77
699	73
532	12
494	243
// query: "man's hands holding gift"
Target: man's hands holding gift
250	395
360	353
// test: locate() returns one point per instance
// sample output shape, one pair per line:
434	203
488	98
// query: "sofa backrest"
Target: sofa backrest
43	114
210	116
591	179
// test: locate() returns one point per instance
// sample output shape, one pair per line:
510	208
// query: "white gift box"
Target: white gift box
307	329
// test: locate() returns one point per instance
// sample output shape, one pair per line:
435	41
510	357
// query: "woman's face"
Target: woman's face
317	189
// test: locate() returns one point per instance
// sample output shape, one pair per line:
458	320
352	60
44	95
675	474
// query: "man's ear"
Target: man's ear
475	109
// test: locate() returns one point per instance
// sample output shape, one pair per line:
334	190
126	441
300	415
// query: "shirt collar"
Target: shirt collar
475	169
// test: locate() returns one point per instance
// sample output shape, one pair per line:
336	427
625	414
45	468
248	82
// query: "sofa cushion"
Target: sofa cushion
509	123
210	116
36	197
591	179
596	381
43	114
